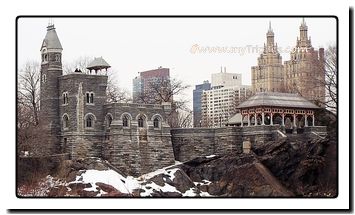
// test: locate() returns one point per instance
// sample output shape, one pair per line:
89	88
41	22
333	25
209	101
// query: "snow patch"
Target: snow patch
210	156
109	177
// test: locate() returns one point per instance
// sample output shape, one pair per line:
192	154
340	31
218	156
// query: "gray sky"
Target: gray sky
131	45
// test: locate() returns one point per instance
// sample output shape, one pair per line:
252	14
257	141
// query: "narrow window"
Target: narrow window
57	58
125	121
140	122
65	121
87	98
89	122
156	123
65	98
44	78
109	121
92	98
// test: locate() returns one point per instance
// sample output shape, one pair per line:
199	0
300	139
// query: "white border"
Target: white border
12	9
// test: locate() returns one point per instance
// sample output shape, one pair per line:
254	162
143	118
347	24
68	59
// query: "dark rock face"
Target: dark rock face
234	176
300	163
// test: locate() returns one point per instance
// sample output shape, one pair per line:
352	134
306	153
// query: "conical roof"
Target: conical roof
98	63
51	41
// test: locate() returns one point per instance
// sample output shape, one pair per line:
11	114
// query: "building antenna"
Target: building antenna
50	22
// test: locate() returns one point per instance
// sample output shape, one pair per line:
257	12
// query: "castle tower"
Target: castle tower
267	75
304	72
51	69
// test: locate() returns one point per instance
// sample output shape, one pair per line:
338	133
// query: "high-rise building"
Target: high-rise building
268	74
152	86
224	79
304	72
218	103
197	96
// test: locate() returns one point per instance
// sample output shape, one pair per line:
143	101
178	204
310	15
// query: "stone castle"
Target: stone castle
302	74
134	138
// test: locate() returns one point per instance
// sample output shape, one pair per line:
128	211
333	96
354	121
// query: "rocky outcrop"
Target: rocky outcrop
234	176
299	162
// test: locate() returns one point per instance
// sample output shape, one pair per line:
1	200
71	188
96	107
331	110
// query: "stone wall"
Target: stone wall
193	142
137	150
80	145
89	83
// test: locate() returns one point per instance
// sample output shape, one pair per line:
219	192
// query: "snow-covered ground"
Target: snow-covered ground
123	184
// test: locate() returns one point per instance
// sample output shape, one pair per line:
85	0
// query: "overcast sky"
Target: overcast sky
132	45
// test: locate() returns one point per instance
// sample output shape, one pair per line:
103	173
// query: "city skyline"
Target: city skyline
193	48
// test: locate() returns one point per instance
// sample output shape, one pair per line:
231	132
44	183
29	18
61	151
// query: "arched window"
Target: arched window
108	120
65	98
65	121
141	122
89	121
57	58
89	97
125	121
156	123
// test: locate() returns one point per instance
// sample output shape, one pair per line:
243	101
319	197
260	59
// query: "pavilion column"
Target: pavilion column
305	121
313	120
271	122
248	120
262	119
294	120
283	119
241	124
255	121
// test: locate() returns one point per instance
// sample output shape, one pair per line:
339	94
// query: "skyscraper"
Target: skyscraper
304	72
268	74
197	96
219	103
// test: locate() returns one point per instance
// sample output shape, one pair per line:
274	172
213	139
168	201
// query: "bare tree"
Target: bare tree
184	119
80	63
28	89
115	93
167	90
331	73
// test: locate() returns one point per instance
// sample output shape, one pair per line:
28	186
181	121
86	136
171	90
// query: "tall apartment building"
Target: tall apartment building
197	96
268	74
149	84
219	103
226	79
304	72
